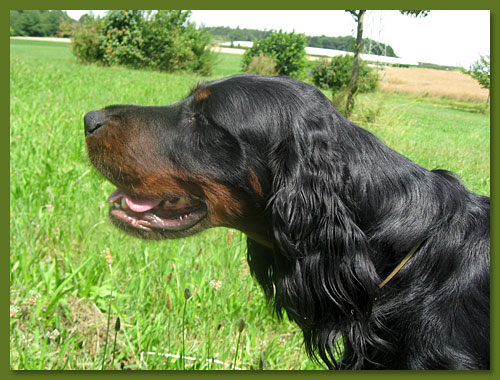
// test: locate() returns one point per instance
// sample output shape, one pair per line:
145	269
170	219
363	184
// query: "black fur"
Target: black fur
343	210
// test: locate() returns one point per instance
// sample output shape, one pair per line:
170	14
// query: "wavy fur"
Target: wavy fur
330	211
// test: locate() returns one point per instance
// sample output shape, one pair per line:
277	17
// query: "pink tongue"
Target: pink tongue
141	205
135	204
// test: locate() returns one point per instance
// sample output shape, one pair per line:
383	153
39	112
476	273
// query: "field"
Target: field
436	83
63	291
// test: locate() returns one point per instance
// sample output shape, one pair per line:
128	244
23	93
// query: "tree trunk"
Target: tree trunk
487	101
351	90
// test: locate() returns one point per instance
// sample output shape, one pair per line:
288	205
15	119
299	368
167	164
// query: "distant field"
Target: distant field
437	83
60	283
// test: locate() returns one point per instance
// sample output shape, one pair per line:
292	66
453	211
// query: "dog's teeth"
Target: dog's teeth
123	204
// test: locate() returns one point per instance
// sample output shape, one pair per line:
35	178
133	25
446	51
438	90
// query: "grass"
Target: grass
61	284
433	134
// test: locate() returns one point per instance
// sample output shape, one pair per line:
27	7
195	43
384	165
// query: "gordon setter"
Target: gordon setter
329	211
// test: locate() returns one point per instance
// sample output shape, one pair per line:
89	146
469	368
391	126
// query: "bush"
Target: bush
335	74
85	39
287	49
121	40
262	65
171	43
163	41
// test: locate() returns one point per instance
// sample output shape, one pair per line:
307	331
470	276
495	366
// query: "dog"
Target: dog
382	263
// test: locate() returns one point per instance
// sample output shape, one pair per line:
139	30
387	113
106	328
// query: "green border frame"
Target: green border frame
493	6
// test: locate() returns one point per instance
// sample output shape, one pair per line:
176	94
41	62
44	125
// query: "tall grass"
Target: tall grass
59	234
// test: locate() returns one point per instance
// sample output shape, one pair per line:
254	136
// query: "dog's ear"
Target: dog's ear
324	276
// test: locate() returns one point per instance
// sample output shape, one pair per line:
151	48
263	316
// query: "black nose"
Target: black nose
93	121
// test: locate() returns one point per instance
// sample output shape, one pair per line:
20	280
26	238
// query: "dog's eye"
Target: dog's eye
189	121
200	120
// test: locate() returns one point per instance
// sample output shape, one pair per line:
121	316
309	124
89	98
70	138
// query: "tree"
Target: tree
480	71
359	17
39	23
419	13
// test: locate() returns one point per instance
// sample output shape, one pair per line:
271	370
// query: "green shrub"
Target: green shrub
335	74
171	43
85	39
121	40
323	75
287	49
262	65
163	41
200	43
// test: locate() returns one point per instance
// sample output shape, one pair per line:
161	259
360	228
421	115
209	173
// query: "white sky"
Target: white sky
455	37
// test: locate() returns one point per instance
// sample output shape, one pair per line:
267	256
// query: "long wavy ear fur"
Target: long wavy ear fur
322	271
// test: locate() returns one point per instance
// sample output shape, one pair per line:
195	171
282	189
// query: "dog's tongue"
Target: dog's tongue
135	204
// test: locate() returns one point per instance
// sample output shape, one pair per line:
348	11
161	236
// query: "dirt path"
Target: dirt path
55	39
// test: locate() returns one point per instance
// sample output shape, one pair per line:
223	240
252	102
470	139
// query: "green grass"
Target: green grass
60	281
433	134
59	233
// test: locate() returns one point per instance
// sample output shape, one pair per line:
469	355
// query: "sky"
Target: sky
445	37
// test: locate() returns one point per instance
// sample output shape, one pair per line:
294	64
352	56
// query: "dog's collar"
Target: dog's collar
398	268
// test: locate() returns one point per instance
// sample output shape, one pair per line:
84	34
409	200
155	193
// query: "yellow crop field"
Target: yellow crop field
431	82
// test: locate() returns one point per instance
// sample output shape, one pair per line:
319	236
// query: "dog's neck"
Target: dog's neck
257	229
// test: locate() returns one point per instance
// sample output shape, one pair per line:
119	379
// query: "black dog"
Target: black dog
329	210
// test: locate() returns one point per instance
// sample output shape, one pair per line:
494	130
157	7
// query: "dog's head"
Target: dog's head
269	156
199	163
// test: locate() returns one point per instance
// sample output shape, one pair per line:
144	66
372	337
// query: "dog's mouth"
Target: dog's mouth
156	217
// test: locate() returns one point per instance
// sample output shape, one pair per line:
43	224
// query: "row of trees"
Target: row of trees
225	33
39	23
345	43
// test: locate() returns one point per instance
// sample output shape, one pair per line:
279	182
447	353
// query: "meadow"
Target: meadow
72	274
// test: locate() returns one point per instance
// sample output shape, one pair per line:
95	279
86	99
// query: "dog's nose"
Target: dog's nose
93	120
